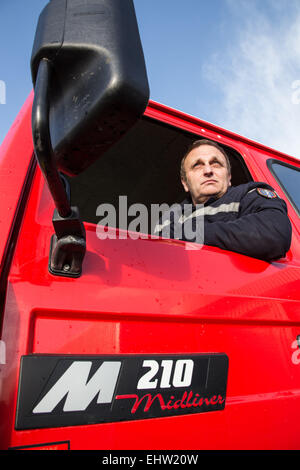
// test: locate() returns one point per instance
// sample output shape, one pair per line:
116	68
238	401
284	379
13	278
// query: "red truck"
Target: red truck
131	341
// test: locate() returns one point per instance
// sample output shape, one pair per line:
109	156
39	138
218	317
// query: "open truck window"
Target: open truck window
144	166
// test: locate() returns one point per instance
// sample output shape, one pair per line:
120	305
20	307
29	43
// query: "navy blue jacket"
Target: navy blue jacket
249	219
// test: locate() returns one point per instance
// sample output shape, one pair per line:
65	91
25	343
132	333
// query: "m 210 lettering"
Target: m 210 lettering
66	390
182	371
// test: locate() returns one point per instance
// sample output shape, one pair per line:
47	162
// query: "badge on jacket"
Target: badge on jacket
267	193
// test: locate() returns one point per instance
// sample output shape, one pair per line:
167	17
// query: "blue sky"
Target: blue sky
235	63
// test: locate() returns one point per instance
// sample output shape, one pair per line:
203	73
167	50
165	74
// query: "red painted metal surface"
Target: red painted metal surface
154	296
16	152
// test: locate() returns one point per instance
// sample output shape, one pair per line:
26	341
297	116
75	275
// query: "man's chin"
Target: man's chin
211	193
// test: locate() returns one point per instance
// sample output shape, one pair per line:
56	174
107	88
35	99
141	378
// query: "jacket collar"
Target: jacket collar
210	201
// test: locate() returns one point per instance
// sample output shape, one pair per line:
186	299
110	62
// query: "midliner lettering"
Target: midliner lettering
188	400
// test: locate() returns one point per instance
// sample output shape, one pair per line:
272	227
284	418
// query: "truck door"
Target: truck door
117	352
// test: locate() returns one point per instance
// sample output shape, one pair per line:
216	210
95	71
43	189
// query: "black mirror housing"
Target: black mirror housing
98	83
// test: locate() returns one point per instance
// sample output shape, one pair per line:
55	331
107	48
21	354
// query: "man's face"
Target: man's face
206	173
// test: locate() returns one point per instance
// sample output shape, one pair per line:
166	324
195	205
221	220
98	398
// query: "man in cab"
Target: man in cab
250	219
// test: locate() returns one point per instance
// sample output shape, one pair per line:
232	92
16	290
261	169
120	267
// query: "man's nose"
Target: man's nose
207	170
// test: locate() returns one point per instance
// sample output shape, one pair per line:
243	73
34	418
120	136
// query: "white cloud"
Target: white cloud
258	74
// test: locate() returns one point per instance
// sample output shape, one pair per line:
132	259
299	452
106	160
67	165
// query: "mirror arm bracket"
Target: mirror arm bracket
68	245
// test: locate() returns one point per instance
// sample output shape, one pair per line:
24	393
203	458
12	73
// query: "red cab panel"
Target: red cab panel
166	301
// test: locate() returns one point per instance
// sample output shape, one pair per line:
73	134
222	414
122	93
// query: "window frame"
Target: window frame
270	163
235	155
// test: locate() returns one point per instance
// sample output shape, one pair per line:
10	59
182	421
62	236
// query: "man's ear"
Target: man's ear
183	182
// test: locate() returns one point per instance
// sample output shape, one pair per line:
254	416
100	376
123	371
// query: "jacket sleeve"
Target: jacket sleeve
262	230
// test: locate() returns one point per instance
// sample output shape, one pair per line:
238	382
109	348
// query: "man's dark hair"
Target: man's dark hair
198	143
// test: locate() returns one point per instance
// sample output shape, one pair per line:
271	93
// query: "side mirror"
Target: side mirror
90	87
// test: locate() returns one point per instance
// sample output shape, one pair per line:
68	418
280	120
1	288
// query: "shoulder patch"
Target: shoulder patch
267	193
